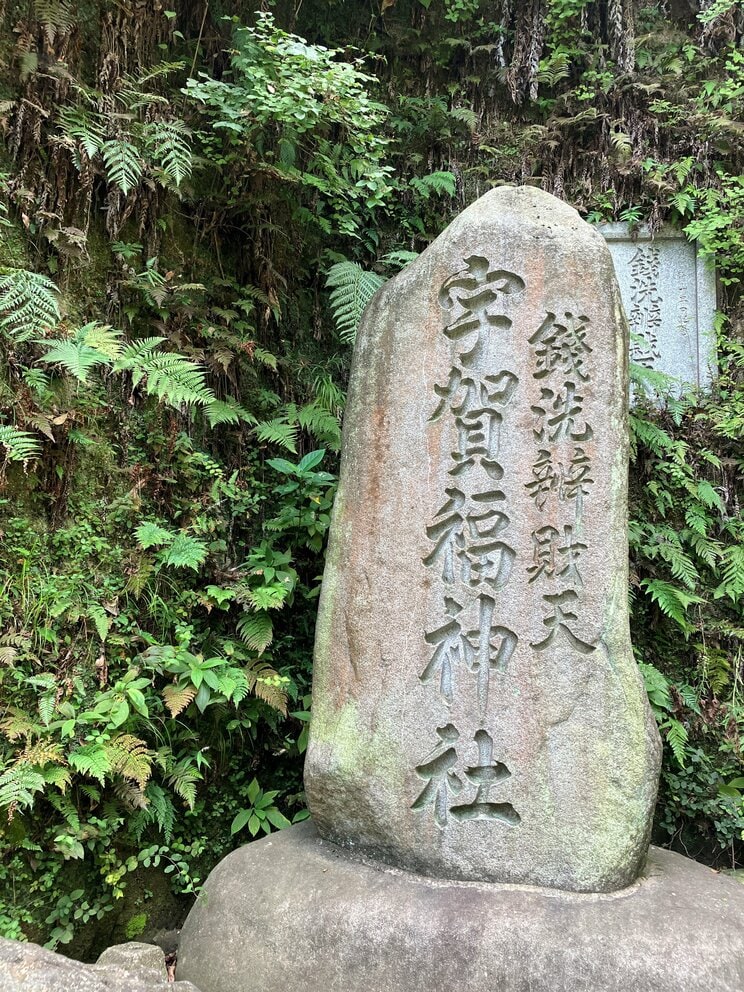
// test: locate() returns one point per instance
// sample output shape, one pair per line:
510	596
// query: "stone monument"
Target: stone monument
477	711
483	763
669	295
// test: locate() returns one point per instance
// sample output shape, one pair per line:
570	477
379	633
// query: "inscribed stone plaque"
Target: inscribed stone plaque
669	295
477	712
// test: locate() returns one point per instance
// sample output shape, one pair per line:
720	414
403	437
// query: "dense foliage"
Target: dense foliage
197	204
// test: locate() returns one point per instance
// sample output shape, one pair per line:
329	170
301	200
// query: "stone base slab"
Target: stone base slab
293	913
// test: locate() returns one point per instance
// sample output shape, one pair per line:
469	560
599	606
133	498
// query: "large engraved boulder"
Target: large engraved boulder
477	711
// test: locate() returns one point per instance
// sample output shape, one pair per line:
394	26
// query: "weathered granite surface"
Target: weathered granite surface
136	955
30	968
477	711
292	913
669	294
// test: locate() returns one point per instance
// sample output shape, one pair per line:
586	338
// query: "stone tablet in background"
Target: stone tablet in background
477	712
669	295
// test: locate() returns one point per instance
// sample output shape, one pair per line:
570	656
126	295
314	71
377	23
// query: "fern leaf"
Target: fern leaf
65	806
92	759
732	571
184	551
130	758
94	344
671	600
256	630
17	724
175	379
101	619
279	431
676	737
227	412
84	126
57	17
20	446
152	535
178	697
437	182
28	304
123	164
169	143
57	776
352	289
18	785
163	810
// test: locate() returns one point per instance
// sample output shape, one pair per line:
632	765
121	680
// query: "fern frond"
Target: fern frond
732	572
352	289
17	724
321	423
123	164
129	757
161	810
151	535
256	631
671	600
169	143
68	810
182	779
18	786
58	776
94	344
57	17
42	752
184	551
84	126
20	446
676	737
92	759
131	795
267	685
279	431
178	697
227	412
437	183
173	378
28	304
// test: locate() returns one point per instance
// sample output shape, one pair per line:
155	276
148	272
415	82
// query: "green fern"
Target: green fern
93	345
227	411
20	446
256	630
437	183
123	164
83	126
18	786
57	17
169	145
352	289
732	572
280	430
173	378
672	601
184	551
151	535
28	304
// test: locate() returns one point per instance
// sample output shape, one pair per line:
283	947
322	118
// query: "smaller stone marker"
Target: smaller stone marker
669	294
477	711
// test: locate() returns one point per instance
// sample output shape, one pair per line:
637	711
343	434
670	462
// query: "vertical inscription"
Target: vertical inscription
645	314
561	477
471	550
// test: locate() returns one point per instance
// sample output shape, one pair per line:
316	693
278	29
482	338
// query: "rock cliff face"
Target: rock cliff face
477	712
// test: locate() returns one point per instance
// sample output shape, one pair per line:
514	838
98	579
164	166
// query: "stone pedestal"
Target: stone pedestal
294	913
